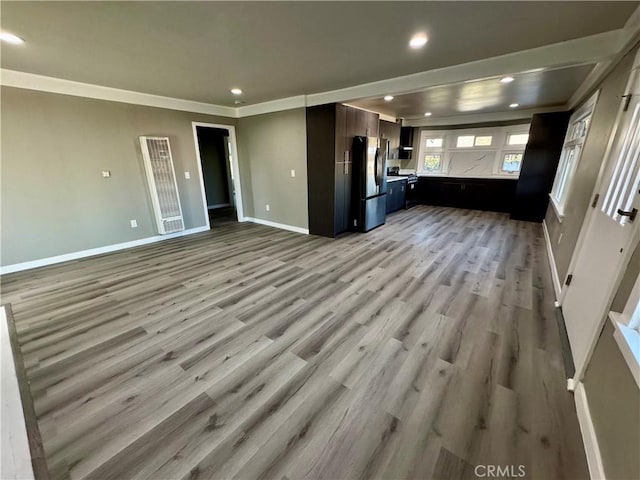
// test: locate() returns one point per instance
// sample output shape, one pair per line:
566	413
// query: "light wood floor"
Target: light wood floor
419	350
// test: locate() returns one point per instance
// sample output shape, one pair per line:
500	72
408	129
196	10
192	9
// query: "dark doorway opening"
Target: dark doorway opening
214	147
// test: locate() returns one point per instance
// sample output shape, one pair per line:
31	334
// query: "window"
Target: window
434	142
511	163
483	141
432	162
465	141
570	156
518	139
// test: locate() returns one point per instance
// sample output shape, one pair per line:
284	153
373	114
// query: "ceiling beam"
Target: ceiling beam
469	118
580	51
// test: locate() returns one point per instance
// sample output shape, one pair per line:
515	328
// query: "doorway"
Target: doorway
219	173
608	236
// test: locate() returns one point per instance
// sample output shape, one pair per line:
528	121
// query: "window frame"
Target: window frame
505	152
565	173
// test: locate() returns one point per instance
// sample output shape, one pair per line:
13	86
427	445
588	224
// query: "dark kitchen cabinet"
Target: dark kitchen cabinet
330	132
361	122
391	131
396	194
539	164
492	194
406	142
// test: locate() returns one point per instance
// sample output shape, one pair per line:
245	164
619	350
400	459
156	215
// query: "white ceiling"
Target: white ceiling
547	88
272	50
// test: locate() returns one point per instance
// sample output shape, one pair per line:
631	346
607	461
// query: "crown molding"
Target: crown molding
600	48
31	81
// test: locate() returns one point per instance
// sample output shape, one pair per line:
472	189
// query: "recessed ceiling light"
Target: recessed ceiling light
514	105
388	98
419	40
427	114
236	91
11	38
506	79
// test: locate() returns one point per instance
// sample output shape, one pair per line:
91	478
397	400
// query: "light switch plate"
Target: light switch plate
293	173
187	175
106	173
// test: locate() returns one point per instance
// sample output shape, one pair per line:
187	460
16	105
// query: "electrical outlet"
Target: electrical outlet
293	173
267	207
187	175
106	173
134	224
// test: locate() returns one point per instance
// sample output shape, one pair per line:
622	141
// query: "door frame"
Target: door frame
580	243
235	168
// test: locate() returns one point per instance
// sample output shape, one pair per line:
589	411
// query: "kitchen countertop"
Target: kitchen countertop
395	178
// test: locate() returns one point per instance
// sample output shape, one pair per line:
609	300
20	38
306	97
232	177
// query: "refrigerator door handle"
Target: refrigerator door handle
375	167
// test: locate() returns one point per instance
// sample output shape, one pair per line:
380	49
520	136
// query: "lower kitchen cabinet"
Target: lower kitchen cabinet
396	194
492	194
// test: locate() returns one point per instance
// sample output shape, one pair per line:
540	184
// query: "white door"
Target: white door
608	235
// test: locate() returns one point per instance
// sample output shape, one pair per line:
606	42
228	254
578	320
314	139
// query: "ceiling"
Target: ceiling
547	88
199	50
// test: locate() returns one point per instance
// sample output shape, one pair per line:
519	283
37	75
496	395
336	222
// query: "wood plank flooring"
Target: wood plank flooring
416	351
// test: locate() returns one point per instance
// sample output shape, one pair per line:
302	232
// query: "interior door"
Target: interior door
608	236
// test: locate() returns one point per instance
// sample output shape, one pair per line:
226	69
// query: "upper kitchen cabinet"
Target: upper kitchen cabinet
406	142
330	132
361	123
391	131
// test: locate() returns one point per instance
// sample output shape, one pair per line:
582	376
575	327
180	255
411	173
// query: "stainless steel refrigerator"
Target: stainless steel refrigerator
369	187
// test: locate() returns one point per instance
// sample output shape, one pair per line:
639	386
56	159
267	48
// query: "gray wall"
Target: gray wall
614	402
54	147
586	174
270	146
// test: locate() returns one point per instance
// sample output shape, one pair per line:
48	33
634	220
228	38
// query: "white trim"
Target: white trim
15	463
42	262
589	438
30	81
580	51
628	341
235	167
279	105
556	209
557	286
282	226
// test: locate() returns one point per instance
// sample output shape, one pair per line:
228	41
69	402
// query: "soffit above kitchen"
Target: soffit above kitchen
272	50
538	89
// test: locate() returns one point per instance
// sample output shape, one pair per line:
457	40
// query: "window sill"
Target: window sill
628	341
556	209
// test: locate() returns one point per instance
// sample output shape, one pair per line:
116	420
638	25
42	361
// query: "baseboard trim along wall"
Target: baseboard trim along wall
591	448
557	286
282	226
43	262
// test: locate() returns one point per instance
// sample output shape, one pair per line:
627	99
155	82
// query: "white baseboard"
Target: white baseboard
283	226
591	448
557	286
43	262
16	455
